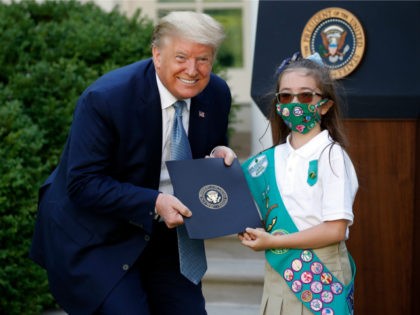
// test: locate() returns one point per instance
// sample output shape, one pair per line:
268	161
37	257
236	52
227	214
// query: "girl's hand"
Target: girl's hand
245	236
256	239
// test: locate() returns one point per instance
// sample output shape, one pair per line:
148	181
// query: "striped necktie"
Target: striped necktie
192	256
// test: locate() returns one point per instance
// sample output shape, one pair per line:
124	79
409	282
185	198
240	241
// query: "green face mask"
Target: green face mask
300	117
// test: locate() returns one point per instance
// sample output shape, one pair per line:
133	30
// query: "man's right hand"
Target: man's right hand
171	210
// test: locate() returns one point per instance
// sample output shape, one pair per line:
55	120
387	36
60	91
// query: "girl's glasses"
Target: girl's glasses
304	97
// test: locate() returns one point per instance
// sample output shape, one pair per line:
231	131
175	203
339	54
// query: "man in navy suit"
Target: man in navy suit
105	230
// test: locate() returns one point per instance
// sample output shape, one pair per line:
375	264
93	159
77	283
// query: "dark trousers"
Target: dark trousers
154	285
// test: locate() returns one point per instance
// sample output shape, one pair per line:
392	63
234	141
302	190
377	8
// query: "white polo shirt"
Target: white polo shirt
331	197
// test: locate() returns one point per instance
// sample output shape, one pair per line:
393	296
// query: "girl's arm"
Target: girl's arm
321	235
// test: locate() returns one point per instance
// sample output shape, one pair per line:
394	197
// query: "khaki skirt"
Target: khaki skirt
278	299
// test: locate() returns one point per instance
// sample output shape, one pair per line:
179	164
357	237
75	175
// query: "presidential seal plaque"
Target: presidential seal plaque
337	35
213	196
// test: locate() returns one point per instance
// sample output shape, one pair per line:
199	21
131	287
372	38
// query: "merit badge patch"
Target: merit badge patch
279	251
258	165
213	196
337	35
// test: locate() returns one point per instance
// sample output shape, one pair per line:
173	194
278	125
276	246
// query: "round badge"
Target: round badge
312	108
296	265
327	296
327	311
316	305
306	255
326	278
336	288
316	287
306	296
306	277
297	111
213	196
258	166
338	36
316	267
288	275
281	250
296	286
307	119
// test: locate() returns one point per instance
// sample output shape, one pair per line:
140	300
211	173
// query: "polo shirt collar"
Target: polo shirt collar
321	140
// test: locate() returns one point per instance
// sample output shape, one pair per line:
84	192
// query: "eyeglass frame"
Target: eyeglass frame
298	95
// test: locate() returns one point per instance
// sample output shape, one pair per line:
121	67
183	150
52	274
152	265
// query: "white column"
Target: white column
260	129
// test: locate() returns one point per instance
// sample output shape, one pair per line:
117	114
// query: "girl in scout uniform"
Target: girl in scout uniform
304	187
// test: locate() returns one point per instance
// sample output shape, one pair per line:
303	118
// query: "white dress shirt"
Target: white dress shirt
168	113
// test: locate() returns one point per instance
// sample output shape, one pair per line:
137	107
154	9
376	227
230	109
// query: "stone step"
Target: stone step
230	247
231	309
234	281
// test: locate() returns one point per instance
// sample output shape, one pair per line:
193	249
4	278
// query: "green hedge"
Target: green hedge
50	52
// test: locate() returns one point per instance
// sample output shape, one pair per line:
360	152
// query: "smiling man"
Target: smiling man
107	223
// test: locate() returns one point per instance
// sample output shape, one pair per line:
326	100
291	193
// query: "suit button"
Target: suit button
125	267
147	238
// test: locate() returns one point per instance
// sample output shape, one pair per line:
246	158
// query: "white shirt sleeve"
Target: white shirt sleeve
339	185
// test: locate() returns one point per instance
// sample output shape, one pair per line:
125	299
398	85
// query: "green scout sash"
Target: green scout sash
308	278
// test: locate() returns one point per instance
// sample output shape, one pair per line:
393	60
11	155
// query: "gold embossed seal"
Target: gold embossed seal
338	36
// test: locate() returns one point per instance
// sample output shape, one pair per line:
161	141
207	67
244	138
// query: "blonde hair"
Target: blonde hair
196	27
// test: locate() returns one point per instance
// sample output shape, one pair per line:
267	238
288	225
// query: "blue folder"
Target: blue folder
217	195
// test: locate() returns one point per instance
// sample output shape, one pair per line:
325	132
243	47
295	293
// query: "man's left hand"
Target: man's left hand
224	152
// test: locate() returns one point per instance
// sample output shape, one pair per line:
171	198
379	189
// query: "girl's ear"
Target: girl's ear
324	108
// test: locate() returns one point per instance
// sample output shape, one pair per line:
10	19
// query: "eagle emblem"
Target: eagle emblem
333	40
338	37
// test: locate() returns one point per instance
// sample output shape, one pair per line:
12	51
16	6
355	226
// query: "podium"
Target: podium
382	121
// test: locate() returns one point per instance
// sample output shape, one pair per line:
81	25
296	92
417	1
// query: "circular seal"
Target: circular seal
296	286
336	288
327	296
316	305
327	311
316	287
296	265
297	111
306	296
316	267
213	196
306	255
306	277
338	36
279	251
326	278
288	274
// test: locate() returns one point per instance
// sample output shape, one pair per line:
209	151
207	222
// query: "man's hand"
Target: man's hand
224	152
171	209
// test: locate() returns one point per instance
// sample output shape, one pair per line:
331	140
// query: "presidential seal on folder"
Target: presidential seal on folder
217	195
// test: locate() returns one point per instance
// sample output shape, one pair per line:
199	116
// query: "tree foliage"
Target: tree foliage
51	51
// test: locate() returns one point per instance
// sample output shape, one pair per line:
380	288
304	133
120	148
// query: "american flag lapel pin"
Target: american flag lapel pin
201	114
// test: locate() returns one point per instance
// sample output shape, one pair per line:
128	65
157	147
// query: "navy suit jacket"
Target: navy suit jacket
96	209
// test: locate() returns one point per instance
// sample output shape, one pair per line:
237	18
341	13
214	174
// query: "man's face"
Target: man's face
183	66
